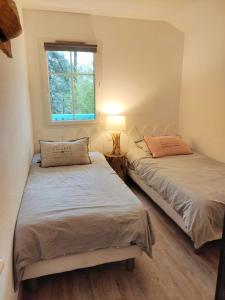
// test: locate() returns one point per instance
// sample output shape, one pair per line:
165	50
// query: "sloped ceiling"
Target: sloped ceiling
140	9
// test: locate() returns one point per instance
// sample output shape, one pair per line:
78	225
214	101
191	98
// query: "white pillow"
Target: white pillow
64	153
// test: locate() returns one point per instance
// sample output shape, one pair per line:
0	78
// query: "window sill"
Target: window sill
72	123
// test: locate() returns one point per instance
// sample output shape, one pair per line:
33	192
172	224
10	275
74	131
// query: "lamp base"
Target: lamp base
116	143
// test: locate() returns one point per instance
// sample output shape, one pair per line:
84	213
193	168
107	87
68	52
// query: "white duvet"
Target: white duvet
194	186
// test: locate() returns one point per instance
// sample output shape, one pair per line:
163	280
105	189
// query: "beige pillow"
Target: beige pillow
142	145
64	153
166	145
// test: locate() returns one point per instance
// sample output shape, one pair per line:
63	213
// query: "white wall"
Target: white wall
140	64
15	151
202	111
203	94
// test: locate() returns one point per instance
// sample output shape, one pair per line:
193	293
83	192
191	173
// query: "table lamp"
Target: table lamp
116	124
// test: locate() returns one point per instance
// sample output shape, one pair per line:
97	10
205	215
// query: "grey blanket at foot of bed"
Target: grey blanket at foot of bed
74	209
194	186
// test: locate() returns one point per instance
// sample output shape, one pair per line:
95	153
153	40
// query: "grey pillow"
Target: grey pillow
36	159
55	154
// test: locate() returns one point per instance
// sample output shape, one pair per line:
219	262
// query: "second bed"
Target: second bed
189	188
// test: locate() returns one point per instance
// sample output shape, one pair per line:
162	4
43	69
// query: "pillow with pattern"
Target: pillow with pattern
69	153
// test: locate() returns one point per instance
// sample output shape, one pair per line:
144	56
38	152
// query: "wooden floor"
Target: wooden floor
175	272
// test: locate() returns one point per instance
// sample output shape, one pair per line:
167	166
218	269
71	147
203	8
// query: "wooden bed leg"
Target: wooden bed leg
130	264
32	285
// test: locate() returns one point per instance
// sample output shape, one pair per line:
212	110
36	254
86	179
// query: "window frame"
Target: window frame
47	96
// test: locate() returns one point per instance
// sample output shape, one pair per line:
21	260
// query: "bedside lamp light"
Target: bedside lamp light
116	124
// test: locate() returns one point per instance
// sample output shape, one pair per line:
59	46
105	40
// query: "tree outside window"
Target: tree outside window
72	85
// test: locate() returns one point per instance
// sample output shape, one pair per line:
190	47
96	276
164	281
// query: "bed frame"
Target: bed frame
164	205
79	261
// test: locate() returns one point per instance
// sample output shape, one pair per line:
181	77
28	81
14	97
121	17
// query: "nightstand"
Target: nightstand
118	163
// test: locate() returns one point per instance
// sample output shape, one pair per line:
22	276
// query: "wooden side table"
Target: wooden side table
118	163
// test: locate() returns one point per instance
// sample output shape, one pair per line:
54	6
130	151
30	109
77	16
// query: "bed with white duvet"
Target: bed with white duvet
190	188
77	216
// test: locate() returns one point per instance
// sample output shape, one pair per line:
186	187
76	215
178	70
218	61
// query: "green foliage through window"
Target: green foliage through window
72	85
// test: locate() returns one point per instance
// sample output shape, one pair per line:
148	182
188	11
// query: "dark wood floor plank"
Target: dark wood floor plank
104	282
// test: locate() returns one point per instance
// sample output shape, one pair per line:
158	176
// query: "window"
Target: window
71	76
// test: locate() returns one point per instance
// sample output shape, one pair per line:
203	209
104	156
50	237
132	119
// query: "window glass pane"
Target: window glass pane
83	62
59	61
62	110
72	90
60	93
85	102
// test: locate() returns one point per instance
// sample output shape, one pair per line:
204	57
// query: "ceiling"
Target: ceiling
141	9
185	15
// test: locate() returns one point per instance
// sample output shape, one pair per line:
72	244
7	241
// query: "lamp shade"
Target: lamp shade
116	123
